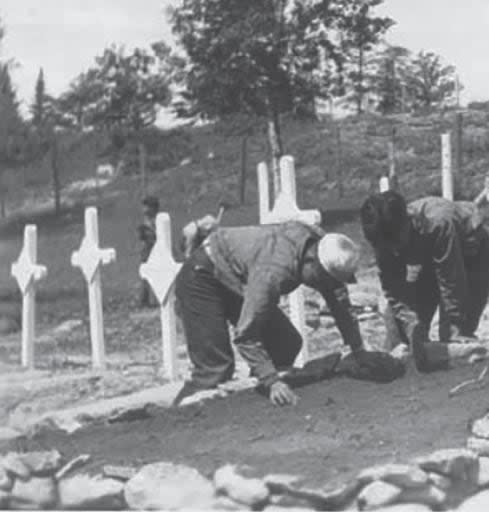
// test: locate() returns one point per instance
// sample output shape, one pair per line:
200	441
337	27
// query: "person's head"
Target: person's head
339	256
151	206
385	221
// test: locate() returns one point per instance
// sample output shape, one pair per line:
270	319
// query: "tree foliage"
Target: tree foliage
360	31
267	57
390	65
430	83
123	89
11	125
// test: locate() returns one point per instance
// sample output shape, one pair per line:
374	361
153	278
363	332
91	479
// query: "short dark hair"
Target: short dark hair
383	215
151	202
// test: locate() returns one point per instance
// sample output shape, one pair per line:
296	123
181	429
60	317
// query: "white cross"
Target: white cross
384	184
285	206
160	271
89	258
285	209
27	273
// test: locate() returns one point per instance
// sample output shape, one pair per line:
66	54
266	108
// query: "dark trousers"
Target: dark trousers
427	293
206	306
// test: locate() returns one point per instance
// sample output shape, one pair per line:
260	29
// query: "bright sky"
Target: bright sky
63	36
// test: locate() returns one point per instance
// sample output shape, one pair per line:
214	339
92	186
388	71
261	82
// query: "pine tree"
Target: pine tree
38	108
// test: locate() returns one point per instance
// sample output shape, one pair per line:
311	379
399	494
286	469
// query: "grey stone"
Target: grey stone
442	482
14	466
123	473
405	507
478	445
42	463
6	480
400	475
83	492
483	478
430	496
252	492
477	503
33	494
458	464
336	499
280	483
225	503
168	486
4	500
480	427
278	508
378	494
8	438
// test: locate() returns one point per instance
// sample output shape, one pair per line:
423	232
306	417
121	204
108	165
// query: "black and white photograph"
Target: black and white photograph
244	255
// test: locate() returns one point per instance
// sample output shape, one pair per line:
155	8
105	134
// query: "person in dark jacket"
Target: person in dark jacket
147	237
238	275
431	253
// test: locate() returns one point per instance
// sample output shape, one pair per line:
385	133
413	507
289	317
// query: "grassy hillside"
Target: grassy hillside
211	171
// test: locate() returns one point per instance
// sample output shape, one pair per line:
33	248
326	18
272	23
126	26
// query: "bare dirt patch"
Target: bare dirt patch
338	427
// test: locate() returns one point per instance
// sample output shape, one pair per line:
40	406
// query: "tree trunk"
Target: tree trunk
360	82
55	169
3	209
142	168
242	184
275	144
339	163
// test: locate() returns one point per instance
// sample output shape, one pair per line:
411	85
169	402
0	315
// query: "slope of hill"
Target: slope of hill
210	171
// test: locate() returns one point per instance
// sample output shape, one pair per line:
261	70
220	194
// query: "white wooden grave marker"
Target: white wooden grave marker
89	257
284	209
384	184
285	205
446	169
160	271
263	192
27	273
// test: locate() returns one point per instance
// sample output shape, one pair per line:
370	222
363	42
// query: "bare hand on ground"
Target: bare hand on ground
281	394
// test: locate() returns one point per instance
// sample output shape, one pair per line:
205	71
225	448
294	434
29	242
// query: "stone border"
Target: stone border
451	479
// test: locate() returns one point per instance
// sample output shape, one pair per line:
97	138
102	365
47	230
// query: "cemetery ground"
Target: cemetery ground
338	427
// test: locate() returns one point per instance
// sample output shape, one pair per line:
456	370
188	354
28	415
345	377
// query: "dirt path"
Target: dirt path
338	427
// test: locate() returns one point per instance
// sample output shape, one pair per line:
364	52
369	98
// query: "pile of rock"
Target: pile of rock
445	480
479	440
40	480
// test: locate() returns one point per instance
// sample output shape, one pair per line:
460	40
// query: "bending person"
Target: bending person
238	275
431	253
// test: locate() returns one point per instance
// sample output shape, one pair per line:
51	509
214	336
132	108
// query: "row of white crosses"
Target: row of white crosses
285	209
160	270
89	258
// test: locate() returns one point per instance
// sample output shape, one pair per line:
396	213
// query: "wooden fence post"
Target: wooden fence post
446	167
339	160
